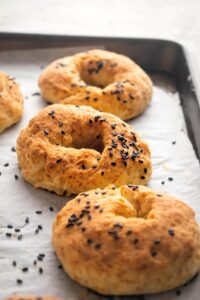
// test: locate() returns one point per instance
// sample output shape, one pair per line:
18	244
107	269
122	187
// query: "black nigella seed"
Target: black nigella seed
102	173
129	232
46	132
36	231
96	118
120	138
19	281
142	177
62	132
40	227
156	242
58	160
16	177
113	126
90	121
36	94
14	263
25	269
83	229
89	242
87	98
153	253
178	292
8	234
40	258
38	212
35	262
51	113
51	208
83	167
145	170
6	165
98	246
171	232
98	136
40	270
60	124
27	220
170	179
113	163
140	161
9	226
118	225
60	267
136	241
41	255
20	237
174	142
13	149
162	182
17	229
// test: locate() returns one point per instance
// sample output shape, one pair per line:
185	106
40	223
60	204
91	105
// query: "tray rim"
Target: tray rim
20	35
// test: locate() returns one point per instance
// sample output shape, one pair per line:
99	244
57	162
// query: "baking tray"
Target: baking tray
168	65
154	55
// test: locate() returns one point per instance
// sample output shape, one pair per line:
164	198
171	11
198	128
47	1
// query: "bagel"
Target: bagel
128	240
69	149
105	80
11	102
28	297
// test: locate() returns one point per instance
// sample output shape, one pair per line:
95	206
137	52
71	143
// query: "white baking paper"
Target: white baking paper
161	125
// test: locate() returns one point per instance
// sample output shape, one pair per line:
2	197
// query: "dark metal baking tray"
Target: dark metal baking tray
157	56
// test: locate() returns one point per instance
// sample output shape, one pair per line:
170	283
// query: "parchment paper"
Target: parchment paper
162	126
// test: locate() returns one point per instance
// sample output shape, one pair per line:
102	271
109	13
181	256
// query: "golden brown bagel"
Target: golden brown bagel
28	297
11	102
105	80
72	149
127	240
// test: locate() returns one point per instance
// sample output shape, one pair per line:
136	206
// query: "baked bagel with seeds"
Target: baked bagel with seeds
128	240
26	297
11	102
105	80
73	149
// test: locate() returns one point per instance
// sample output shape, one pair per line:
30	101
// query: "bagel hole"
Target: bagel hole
91	142
93	73
142	208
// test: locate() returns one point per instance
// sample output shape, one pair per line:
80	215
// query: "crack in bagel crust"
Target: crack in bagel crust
11	102
105	80
73	149
128	240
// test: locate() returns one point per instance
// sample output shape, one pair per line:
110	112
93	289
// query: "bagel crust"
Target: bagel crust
105	80
128	240
69	149
11	102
